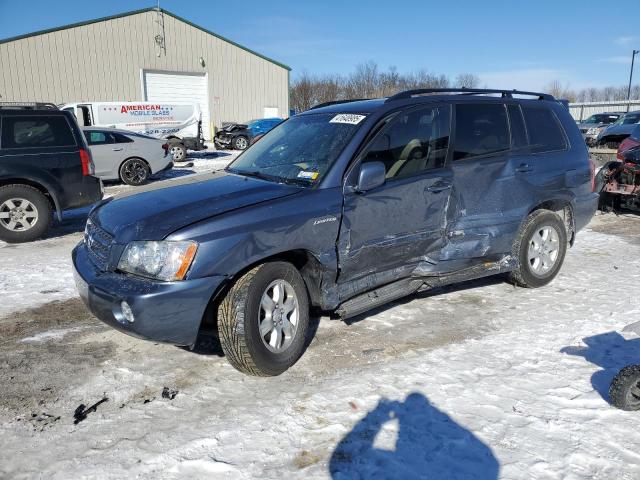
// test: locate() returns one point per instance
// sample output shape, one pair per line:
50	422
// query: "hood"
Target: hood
619	129
155	211
232	127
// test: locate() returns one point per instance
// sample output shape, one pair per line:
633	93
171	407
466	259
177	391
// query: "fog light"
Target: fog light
127	313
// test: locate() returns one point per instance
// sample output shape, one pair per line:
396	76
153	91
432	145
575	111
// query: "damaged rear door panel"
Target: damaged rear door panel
491	195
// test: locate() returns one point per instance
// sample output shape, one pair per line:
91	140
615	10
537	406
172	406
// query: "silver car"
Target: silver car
127	156
592	126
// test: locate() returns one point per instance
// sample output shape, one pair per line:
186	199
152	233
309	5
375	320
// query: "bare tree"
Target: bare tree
368	81
467	80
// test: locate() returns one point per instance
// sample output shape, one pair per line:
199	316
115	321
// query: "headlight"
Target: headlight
592	131
165	260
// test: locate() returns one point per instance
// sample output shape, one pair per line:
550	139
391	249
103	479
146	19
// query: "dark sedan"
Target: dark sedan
613	135
240	135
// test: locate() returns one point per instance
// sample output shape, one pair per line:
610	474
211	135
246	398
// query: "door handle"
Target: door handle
438	187
118	149
524	168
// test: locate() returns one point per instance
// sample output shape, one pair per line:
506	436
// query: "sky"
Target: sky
509	44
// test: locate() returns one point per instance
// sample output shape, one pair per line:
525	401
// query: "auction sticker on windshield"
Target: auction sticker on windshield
351	118
308	175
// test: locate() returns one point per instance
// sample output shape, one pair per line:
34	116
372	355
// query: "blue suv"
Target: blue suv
344	207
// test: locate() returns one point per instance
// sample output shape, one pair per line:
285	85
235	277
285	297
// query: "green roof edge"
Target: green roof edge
135	12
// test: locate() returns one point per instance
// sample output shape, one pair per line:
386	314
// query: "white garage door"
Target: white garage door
179	87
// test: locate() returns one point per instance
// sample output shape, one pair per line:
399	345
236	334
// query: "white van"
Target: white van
180	123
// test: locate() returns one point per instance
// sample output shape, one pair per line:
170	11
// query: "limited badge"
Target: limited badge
350	118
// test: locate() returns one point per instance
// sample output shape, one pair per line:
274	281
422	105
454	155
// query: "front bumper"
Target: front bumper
169	312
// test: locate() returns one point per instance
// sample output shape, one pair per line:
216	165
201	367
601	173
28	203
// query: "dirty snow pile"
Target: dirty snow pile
519	393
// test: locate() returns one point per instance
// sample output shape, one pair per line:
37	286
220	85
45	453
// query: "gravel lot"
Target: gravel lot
479	380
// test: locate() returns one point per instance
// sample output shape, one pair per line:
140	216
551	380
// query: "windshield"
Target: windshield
628	119
300	150
592	119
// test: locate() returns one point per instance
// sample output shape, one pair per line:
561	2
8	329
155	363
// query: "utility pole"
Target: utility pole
633	57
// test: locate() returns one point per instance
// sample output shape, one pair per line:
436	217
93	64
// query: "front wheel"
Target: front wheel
264	318
625	388
240	143
540	247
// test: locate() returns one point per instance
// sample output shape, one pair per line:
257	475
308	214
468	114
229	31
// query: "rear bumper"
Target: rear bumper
584	208
85	193
169	312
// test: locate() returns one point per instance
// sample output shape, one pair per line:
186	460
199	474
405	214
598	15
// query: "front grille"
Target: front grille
99	243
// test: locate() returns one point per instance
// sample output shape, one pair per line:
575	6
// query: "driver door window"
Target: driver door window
412	143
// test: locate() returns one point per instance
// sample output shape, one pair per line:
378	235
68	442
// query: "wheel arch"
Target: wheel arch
562	207
46	190
130	158
305	261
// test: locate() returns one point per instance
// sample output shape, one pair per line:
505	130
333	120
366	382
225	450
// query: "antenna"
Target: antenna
160	37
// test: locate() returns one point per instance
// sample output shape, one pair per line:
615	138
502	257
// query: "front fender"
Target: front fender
231	242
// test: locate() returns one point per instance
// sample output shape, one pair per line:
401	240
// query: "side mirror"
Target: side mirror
372	175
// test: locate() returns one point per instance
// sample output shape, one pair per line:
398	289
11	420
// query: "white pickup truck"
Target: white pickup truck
179	123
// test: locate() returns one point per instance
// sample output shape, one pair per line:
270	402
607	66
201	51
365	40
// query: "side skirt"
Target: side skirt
401	288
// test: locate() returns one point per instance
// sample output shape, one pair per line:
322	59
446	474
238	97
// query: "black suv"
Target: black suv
45	165
344	207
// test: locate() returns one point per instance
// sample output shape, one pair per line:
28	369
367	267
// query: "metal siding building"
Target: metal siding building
119	58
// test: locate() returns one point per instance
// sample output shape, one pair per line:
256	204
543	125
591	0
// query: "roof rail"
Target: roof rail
467	91
335	102
28	106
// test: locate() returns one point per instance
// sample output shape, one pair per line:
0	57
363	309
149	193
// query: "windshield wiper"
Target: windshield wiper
271	178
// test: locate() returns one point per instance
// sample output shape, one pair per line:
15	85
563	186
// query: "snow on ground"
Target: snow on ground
480	380
40	272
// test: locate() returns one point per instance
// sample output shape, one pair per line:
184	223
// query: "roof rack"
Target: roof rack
28	106
335	102
467	91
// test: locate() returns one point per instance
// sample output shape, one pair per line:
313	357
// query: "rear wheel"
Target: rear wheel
25	213
625	388
134	171
240	143
264	318
540	247
178	152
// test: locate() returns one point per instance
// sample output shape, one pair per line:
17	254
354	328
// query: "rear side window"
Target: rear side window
36	131
545	132
518	132
481	129
119	138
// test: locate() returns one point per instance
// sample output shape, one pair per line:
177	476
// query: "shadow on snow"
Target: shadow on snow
611	352
429	444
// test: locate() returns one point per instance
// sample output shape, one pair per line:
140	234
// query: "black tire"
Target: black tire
19	233
525	275
239	317
178	152
134	171
622	388
240	143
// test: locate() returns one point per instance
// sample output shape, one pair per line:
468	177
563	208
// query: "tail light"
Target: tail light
592	169
88	168
165	147
627	144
